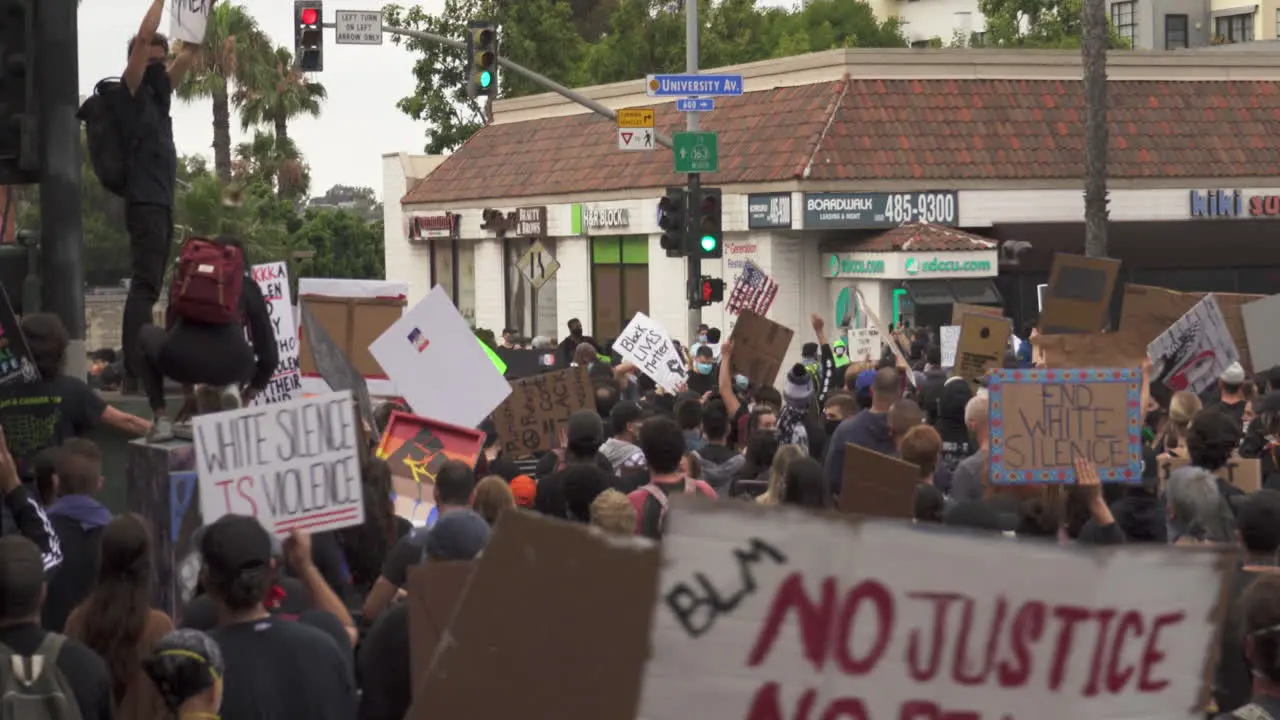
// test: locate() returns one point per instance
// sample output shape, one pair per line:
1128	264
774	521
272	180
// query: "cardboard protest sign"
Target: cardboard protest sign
415	449
1041	420
877	485
293	465
1194	351
645	344
437	364
1149	311
1244	473
754	290
16	365
959	310
759	347
435	590
355	313
188	19
535	416
273	281
865	344
335	366
982	344
1260	326
773	612
576	654
949	339
1078	299
1083	350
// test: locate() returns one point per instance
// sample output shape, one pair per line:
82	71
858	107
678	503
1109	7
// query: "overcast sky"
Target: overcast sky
358	124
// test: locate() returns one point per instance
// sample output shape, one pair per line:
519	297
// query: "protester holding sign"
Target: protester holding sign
151	169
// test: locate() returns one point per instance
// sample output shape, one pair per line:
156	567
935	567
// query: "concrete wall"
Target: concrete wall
104	318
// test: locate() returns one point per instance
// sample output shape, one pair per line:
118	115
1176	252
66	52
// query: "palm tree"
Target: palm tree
234	48
274	161
1097	35
279	93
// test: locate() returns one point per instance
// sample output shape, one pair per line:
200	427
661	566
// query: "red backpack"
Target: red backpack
207	282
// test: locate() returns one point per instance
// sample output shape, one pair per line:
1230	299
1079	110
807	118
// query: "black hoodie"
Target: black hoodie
957	443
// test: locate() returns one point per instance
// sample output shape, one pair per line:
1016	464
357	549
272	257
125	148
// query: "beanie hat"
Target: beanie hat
799	389
1233	375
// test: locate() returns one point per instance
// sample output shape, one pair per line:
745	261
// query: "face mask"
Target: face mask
740	382
704	368
575	332
702	338
831	426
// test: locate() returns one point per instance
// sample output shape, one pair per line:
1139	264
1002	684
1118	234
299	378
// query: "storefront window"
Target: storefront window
530	312
453	267
619	282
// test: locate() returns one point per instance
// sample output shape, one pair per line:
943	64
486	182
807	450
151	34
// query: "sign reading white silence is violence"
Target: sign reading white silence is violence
775	613
293	465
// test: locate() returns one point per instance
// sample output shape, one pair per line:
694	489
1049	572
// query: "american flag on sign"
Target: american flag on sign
753	290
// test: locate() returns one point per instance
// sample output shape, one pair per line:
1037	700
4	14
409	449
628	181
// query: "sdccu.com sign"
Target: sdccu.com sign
903	266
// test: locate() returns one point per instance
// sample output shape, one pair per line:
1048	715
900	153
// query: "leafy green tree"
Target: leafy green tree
439	99
1048	24
360	200
559	39
344	243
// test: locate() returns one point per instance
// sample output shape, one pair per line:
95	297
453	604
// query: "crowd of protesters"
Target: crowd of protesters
75	581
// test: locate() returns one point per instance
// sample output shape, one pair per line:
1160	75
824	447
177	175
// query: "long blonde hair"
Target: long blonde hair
778	473
1183	407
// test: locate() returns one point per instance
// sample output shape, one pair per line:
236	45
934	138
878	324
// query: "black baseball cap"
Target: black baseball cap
236	544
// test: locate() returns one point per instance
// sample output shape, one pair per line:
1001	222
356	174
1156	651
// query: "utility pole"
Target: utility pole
693	269
61	226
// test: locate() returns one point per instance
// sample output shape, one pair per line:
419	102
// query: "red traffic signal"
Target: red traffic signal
712	290
310	16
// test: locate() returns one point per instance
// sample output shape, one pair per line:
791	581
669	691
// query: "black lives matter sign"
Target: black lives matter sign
534	417
293	465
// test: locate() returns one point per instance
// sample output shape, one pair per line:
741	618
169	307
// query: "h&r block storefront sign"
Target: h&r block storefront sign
874	210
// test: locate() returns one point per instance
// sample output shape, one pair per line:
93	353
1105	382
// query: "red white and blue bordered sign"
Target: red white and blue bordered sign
1123	446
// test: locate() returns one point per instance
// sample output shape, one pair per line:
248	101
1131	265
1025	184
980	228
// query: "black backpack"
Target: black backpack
103	117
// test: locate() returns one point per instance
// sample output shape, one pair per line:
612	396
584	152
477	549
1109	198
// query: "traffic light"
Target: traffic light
19	152
705	234
673	219
482	59
308	34
710	291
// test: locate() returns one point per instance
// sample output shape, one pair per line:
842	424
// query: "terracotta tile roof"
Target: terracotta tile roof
923	237
890	130
764	136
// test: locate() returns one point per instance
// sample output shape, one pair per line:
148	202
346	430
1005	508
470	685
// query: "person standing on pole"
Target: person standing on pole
151	173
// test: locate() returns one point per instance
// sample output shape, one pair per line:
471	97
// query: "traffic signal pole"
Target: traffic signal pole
61	227
693	268
523	71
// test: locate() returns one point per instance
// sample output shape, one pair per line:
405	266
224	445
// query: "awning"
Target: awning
981	291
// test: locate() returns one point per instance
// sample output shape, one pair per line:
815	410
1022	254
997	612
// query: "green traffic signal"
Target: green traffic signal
486	78
708	243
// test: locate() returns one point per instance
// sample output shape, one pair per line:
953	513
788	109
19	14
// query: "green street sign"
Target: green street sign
696	152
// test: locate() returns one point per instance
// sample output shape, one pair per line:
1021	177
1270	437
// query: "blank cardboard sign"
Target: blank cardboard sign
1149	311
1085	350
877	485
959	310
435	592
759	345
1260	325
334	365
983	341
1078	298
558	615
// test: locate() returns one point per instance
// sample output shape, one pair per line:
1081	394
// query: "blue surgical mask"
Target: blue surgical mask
740	382
702	338
705	368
